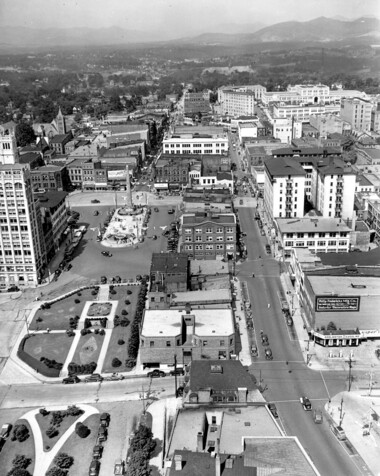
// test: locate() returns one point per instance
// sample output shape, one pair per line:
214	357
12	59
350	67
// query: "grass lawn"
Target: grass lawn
81	448
52	346
57	317
44	423
88	348
116	350
122	295
13	448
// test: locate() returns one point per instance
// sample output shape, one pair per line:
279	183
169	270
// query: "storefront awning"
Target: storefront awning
161	186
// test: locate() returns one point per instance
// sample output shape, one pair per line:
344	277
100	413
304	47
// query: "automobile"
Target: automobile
97	451
13	289
289	320
154	237
272	408
95	200
71	379
254	351
156	209
105	419
102	433
118	469
103	280
93	378
68	267
156	373
177	371
318	416
115	376
107	253
338	432
243	233
5	430
96	213
268	354
171	211
305	402
241	201
267	249
264	339
94	468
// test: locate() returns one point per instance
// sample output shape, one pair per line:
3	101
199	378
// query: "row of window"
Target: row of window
318	243
209	247
189	231
204	343
317	235
189	239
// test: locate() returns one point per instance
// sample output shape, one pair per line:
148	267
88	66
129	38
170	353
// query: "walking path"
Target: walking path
103	294
45	458
103	351
70	355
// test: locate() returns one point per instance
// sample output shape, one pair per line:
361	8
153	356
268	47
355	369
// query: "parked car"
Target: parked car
268	354
272	408
156	209
105	419
156	373
119	469
289	320
13	289
305	402
95	200
71	379
318	416
338	432
94	468
114	376
264	339
97	452
177	371
171	211
268	250
93	378
96	213
107	253
5	430
254	351
102	433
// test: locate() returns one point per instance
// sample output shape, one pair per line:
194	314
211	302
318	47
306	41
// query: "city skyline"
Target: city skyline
165	17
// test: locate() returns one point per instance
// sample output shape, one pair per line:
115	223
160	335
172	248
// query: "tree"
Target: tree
51	432
116	362
82	430
20	433
55	471
138	464
19	472
24	134
331	326
143	440
63	460
21	461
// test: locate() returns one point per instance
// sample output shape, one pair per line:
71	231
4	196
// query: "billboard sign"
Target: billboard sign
337	304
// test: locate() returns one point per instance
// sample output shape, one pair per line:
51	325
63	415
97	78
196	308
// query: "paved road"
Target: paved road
286	382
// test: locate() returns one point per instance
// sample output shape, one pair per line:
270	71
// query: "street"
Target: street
287	377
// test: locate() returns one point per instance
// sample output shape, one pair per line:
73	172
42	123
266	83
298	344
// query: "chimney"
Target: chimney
200	441
217	448
178	462
217	465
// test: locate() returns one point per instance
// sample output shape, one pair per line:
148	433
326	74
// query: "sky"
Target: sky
179	16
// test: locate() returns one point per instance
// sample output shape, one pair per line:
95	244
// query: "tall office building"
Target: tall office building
22	251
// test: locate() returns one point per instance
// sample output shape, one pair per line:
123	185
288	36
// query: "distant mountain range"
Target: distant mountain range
321	29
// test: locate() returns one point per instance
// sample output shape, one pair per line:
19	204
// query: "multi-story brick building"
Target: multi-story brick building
59	141
194	103
169	272
50	178
186	335
357	112
196	140
209	236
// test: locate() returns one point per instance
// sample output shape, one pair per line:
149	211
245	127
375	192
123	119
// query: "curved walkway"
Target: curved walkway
45	458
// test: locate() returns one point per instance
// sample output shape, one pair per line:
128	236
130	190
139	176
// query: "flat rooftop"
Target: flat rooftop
283	167
208	322
226	219
343	285
222	295
311	225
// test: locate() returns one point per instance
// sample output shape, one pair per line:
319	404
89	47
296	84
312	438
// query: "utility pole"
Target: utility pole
175	375
349	361
341	412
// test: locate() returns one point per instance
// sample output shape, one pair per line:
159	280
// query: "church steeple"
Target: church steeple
61	124
8	148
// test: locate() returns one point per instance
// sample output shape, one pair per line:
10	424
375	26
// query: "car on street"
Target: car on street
289	320
118	469
338	432
102	433
93	378
71	379
272	408
306	404
13	289
318	416
264	339
95	200
105	419
114	377
267	249
254	351
5	430
97	451
94	468
268	354
96	213
156	209
107	253
171	211
177	371
156	373
241	201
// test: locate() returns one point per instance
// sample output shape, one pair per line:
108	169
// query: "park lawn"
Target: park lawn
116	350
13	448
53	346
57	317
88	349
81	448
121	296
44	424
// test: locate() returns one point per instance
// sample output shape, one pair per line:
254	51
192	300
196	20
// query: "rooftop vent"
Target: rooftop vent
216	369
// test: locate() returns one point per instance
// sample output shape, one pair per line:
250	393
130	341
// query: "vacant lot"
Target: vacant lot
52	346
57	317
13	448
88	349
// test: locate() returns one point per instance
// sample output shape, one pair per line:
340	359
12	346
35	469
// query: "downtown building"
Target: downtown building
22	250
196	140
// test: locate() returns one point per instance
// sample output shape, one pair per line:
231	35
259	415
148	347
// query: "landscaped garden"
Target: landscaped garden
88	348
22	445
48	346
117	349
99	309
57	315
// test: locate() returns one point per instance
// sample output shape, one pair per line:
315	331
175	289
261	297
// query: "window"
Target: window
222	343
208	230
299	235
198	238
310	243
210	238
188	238
322	235
219	230
168	343
342	243
151	343
187	231
204	343
188	247
219	247
199	247
229	230
219	238
230	238
209	247
332	243
321	243
198	230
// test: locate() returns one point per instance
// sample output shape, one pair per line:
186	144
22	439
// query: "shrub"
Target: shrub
20	433
102	332
52	431
87	323
55	471
44	412
73	410
46	305
116	362
63	460
39	319
79	294
84	332
57	418
116	320
113	291
121	341
129	291
94	293
70	333
96	331
127	302
125	322
124	312
77	301
82	430
130	363
18	472
21	461
331	326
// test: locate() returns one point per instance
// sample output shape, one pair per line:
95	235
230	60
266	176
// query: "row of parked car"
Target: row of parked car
92	378
97	451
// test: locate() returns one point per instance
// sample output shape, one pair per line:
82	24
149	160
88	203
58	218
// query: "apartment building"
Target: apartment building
284	188
201	140
321	235
50	178
236	102
186	335
22	251
302	112
195	103
357	112
287	129
209	236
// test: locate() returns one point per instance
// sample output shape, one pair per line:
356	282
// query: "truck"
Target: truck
119	469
